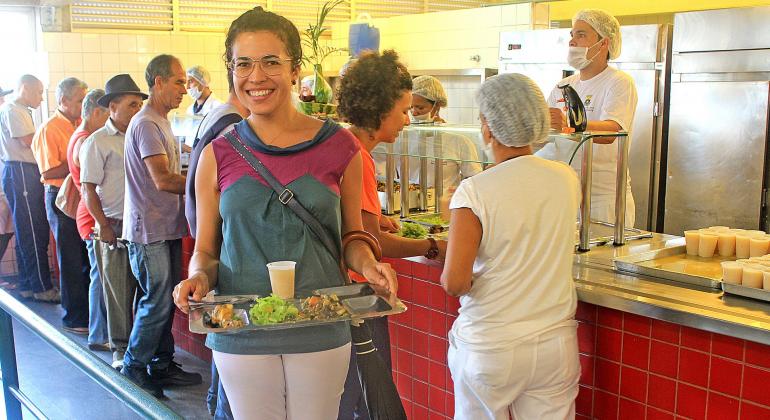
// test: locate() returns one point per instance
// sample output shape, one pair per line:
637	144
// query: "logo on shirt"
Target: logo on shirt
588	99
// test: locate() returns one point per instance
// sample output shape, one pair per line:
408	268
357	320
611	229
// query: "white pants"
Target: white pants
304	386
535	379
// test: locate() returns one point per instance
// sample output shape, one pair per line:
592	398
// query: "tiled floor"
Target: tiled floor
62	391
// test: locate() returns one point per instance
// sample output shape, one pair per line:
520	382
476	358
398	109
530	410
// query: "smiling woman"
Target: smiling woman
243	225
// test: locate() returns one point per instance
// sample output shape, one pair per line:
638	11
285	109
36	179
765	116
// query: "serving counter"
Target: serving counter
647	346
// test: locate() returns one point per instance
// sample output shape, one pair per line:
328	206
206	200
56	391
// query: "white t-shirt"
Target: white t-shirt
211	103
522	276
15	121
453	148
608	96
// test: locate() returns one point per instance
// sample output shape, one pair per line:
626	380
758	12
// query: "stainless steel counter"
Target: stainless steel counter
703	308
706	309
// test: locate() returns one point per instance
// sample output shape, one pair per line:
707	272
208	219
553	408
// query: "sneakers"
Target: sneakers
49	296
99	346
173	375
77	330
140	377
117	359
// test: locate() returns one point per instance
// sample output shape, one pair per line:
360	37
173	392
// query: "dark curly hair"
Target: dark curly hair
370	88
258	19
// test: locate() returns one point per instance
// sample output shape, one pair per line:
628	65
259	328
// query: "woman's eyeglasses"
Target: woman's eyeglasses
269	64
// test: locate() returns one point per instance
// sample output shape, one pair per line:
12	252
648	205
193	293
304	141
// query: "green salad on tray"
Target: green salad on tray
272	310
413	230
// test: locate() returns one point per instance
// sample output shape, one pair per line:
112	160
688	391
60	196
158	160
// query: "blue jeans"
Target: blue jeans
97	312
156	267
217	397
73	263
22	187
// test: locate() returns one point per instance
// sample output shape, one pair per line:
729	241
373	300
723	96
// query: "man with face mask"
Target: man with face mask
198	79
610	98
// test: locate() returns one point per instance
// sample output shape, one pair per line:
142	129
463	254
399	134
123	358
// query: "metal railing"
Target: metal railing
105	375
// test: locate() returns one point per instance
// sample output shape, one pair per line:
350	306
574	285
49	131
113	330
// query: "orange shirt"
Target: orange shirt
370	200
49	145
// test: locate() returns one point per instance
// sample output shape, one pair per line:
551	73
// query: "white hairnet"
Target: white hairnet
514	108
605	24
429	88
200	74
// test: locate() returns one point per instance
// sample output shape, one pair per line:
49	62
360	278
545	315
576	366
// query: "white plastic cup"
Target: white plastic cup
742	245
691	239
758	245
732	272
766	280
753	276
707	244
282	278
719	228
726	245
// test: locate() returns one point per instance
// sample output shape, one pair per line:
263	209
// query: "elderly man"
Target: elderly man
49	146
610	98
154	224
198	79
94	117
6	220
21	183
103	177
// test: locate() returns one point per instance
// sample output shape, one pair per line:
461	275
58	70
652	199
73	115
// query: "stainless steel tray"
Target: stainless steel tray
358	299
674	264
750	292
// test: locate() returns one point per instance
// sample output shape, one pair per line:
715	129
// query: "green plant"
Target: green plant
312	37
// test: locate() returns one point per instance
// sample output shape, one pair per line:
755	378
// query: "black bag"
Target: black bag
198	145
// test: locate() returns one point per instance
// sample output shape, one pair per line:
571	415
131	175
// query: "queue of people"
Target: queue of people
513	349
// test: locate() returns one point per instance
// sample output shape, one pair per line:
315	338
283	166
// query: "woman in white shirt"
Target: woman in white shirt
513	348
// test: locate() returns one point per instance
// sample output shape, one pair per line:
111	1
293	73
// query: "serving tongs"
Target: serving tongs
232	300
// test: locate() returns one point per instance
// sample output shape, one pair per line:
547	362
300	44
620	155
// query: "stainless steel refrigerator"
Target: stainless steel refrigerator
718	120
542	55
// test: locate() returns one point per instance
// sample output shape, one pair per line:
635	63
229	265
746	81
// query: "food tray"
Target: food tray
359	300
674	264
420	220
750	292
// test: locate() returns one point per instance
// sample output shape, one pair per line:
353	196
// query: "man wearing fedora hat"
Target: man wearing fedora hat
103	177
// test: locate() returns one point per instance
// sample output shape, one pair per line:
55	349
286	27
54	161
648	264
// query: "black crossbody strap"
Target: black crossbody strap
287	197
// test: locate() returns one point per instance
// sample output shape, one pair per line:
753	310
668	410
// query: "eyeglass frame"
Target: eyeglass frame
231	64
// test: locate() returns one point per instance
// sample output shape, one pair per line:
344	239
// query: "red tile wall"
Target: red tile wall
633	367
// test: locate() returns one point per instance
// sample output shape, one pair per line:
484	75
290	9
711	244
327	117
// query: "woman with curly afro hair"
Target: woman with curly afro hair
375	97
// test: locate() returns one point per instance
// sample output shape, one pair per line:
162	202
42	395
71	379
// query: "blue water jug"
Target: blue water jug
363	36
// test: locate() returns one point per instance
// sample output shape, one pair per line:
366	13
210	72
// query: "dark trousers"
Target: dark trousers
352	403
22	187
74	268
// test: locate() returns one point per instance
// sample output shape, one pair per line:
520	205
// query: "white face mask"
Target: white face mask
194	93
577	56
421	118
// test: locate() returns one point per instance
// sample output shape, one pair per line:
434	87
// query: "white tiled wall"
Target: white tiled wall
96	57
460	90
448	40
